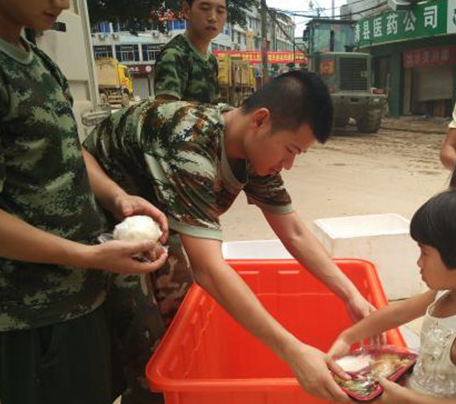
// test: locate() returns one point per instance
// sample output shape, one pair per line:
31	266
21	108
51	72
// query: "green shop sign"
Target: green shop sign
430	18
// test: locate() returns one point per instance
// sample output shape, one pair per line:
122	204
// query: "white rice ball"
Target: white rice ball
137	228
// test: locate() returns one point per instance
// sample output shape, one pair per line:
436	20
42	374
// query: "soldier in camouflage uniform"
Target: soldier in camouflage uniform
54	334
186	69
192	160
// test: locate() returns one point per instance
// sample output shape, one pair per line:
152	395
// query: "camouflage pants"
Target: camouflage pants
141	308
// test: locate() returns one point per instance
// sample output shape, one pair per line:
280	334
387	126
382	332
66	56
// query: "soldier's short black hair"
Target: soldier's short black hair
190	2
434	224
293	99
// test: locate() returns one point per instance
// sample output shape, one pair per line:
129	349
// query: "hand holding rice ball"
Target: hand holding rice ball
137	228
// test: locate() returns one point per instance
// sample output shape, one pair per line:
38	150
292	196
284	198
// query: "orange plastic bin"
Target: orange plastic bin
207	358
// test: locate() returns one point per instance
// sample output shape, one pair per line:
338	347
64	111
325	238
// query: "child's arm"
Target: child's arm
382	320
114	199
393	393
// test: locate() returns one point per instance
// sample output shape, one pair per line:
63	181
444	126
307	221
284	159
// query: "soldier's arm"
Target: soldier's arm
23	242
171	76
448	150
166	97
114	199
214	275
305	247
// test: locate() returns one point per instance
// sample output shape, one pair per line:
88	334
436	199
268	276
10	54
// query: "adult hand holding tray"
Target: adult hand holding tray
368	363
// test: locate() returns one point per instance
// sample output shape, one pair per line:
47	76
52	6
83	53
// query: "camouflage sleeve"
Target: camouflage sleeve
2	163
218	95
4	107
453	122
104	144
4	98
171	74
190	196
268	193
185	176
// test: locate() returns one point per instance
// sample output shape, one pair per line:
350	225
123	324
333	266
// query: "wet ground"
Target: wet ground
394	148
392	171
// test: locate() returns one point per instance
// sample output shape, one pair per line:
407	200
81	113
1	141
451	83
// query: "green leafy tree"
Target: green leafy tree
137	15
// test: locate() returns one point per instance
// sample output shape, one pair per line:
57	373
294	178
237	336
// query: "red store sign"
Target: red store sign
436	56
141	69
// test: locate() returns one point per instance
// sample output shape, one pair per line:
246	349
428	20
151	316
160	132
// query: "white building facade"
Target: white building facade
139	51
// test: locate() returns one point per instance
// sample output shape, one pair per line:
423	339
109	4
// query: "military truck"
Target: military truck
236	79
114	82
346	73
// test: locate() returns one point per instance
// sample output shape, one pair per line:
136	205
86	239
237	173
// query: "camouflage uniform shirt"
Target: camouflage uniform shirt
182	72
452	124
173	154
44	182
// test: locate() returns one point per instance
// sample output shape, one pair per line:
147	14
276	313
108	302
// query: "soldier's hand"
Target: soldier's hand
118	257
312	369
130	205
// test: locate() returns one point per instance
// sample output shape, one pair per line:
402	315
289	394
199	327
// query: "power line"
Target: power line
363	11
355	2
297	14
292	40
321	9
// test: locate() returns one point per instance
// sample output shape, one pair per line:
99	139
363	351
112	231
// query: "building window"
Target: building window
104	27
150	52
127	53
102	52
177	24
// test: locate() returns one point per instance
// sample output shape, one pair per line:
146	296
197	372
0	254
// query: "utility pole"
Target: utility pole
264	40
333	9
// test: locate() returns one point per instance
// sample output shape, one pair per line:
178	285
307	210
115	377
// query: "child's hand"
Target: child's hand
393	393
340	347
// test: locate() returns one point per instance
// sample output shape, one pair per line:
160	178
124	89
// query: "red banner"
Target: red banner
254	57
442	55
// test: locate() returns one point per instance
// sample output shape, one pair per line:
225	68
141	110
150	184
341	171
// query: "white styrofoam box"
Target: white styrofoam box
382	239
255	249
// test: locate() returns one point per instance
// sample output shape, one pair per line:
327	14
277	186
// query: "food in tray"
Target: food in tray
137	228
354	363
366	364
